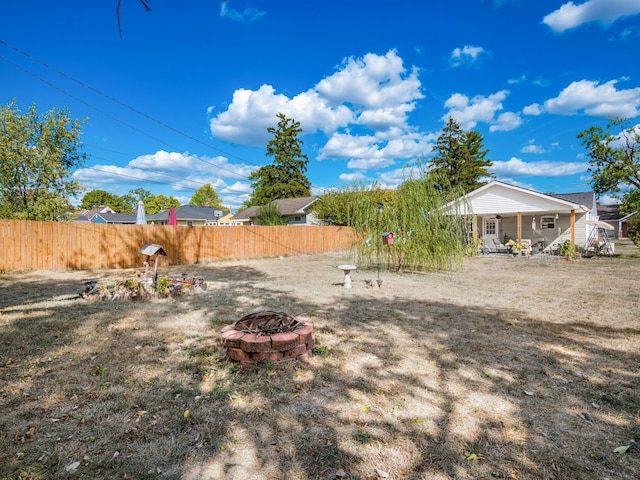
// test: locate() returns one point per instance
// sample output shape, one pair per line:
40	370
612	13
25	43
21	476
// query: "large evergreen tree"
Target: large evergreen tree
460	160
285	177
38	154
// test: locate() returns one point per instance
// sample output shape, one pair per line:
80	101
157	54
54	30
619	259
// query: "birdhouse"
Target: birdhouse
152	250
387	238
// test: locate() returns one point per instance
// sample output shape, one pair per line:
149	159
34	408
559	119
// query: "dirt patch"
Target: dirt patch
510	368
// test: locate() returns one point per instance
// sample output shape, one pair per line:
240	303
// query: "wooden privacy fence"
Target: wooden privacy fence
74	246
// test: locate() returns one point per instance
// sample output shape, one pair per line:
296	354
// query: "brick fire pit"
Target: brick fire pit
268	337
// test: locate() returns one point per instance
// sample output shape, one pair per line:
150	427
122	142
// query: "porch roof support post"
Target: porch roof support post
573	227
519	227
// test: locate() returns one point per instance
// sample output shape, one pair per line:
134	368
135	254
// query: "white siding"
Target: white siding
505	200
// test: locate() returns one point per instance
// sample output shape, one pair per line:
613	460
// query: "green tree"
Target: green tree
285	177
95	198
38	154
206	196
270	214
340	207
614	153
460	159
130	199
159	203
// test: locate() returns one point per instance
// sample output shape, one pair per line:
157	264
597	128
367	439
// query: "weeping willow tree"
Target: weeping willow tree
428	230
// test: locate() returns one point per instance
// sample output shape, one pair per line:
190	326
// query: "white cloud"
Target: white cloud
182	172
370	163
479	109
238	187
186	165
531	147
372	82
515	167
533	109
395	177
627	34
540	82
351	177
248	15
605	12
251	112
597	100
505	122
608	200
376	148
517	80
374	91
466	56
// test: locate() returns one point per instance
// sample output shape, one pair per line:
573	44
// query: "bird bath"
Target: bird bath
347	269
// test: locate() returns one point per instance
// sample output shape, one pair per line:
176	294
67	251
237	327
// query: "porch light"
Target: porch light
498	217
556	216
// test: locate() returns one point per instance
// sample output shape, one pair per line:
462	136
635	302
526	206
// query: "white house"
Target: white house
500	211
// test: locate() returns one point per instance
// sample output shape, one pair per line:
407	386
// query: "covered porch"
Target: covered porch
544	231
503	212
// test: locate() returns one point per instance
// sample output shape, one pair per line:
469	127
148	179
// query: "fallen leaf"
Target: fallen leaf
72	467
526	392
186	414
364	409
382	473
622	449
475	456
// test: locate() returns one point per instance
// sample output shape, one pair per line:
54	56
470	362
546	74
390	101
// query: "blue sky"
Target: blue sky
185	96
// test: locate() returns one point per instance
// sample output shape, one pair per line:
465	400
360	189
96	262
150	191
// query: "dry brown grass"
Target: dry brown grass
413	378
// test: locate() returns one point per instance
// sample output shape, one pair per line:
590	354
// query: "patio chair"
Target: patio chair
500	247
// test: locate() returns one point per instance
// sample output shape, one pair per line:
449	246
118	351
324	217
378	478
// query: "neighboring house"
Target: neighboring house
227	220
115	218
85	215
501	211
294	210
611	214
191	215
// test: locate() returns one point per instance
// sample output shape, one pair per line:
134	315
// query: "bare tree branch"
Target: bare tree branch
145	4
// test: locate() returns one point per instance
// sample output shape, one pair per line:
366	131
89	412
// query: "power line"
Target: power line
64	92
118	102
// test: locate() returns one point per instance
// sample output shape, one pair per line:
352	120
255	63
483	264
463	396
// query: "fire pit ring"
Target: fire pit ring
268	336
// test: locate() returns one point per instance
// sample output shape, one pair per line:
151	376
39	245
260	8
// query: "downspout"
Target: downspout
573	227
519	228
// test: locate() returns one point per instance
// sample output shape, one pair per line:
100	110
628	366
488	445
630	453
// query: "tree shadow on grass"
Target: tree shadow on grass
413	388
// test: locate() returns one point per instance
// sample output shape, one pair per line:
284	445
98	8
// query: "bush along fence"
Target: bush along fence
28	245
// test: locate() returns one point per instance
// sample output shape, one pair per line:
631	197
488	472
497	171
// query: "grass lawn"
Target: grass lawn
508	369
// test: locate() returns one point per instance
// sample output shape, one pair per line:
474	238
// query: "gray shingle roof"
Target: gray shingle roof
287	207
581	198
190	212
118	217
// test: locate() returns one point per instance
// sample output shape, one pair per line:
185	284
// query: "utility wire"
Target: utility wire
122	104
118	102
115	119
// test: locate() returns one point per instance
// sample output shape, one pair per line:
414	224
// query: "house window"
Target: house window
548	223
297	219
190	224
